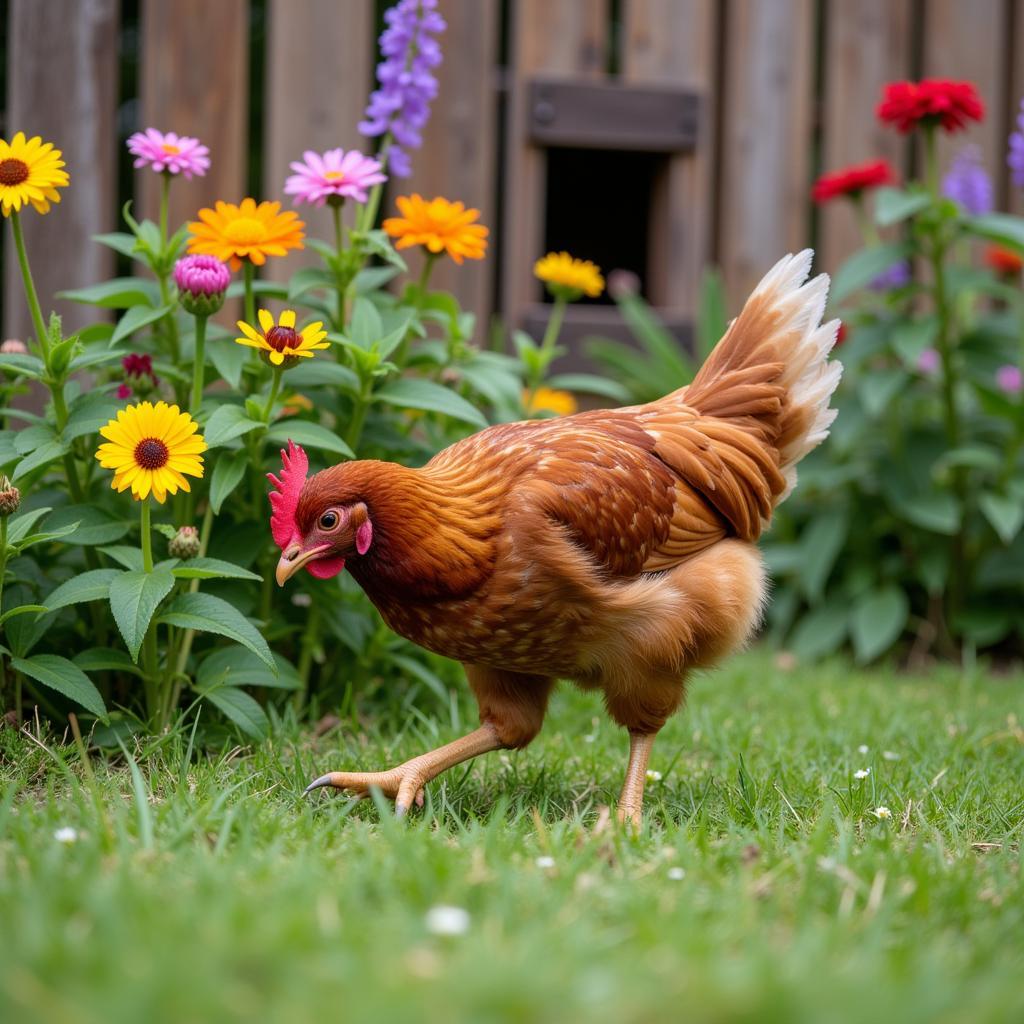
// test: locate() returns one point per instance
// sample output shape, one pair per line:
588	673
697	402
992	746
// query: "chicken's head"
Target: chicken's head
320	536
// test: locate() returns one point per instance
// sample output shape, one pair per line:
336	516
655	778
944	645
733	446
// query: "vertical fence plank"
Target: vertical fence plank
1016	50
554	37
966	41
320	57
766	132
866	45
195	81
62	85
458	156
673	42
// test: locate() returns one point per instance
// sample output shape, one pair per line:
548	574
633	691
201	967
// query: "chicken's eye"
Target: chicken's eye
329	520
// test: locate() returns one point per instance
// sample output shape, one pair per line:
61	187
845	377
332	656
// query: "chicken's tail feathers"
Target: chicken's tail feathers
771	370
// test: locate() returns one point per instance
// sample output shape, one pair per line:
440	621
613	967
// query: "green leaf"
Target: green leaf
877	622
821	631
22	609
820	545
135	319
95	525
712	319
911	337
318	373
307	279
894	204
28	439
134	597
21	364
269	289
379	244
1004	513
227	423
227	474
1003	228
63	676
938	511
878	388
241	709
212	568
415	393
126	555
304	432
46	453
864	266
209	614
120	293
228	358
119	241
92	411
105	659
365	327
18	527
591	384
93	585
235	666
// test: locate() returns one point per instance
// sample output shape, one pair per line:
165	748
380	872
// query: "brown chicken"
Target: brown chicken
615	548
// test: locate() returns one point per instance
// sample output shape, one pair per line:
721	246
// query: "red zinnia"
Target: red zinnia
1003	261
930	101
851	181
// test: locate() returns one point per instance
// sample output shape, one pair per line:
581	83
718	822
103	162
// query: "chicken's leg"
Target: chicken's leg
631	799
405	782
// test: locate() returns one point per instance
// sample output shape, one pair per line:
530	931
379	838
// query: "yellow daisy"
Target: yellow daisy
280	344
569	278
30	172
150	448
549	400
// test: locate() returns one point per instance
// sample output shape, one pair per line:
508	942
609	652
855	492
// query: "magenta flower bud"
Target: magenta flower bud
1010	380
202	283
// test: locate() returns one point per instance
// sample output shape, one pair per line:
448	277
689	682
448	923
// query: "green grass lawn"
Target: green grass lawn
762	887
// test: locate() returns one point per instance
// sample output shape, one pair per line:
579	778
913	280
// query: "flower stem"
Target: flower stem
149	651
30	287
368	214
248	270
165	197
3	561
339	230
547	346
147	540
198	365
354	430
275	387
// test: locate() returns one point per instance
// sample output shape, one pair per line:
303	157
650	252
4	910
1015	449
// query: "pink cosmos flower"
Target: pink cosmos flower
169	153
201	275
928	361
334	175
1010	380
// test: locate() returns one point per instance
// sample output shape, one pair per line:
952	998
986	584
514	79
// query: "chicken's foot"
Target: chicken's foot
631	799
404	783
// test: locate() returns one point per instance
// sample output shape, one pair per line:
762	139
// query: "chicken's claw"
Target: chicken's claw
401	784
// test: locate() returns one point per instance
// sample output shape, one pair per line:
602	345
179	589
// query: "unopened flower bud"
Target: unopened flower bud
14	347
185	543
202	284
10	497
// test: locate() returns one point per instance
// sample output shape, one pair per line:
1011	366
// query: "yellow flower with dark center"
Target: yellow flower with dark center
245	232
569	278
439	226
280	343
561	403
151	449
30	172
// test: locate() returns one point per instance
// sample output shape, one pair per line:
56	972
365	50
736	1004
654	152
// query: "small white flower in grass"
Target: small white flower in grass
890	755
447	921
653	776
545	863
863	773
676	874
882	813
862	749
66	835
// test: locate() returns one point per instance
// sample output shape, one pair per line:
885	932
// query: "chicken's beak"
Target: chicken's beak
293	558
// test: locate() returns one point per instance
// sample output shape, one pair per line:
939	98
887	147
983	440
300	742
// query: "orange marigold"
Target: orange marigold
439	226
249	231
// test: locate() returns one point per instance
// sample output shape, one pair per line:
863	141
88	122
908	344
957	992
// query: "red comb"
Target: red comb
284	499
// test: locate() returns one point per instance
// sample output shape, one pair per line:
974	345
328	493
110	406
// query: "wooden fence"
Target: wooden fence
784	89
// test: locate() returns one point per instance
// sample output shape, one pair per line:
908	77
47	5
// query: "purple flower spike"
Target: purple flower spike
968	182
401	104
895	276
1010	380
1015	157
